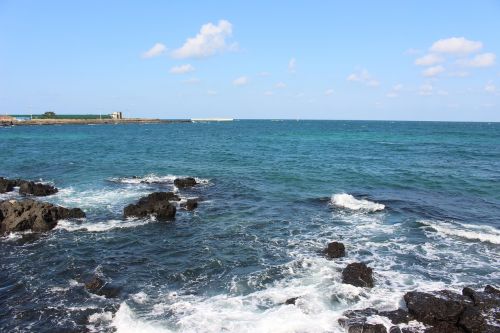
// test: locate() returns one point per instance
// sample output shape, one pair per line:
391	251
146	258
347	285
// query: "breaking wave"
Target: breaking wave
345	200
482	233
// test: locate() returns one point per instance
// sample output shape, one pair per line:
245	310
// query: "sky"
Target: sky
370	60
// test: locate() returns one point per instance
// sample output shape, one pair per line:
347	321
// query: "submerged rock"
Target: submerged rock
291	301
96	285
334	250
157	204
33	215
191	204
36	189
185	182
358	274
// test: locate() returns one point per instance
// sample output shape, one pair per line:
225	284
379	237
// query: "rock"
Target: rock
358	274
395	329
441	306
36	189
335	250
291	301
483	314
185	182
356	322
444	327
6	185
157	204
191	204
33	215
98	286
398	316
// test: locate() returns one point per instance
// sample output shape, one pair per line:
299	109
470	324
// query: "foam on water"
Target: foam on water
345	200
154	179
482	233
101	226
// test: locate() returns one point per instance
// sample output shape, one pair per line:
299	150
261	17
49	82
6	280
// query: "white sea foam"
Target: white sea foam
345	200
140	298
101	226
153	178
482	233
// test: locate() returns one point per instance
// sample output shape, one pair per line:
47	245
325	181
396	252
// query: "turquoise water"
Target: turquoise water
267	208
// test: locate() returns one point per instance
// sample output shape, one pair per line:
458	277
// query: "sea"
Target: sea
419	202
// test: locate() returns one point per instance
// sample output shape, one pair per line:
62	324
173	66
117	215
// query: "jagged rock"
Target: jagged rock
36	189
191	204
441	306
398	316
356	322
358	274
98	286
444	327
484	314
33	215
291	301
157	204
334	250
6	185
185	182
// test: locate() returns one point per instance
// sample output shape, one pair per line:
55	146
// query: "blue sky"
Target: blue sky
398	60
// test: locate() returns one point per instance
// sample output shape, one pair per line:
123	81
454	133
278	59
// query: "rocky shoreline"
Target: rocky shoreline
443	311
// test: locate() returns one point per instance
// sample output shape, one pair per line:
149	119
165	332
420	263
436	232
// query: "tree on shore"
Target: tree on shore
48	115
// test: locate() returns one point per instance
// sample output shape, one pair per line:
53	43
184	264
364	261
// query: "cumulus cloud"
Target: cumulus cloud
456	45
241	81
480	60
210	40
429	60
363	76
157	50
433	71
280	85
182	69
292	65
490	87
329	92
394	92
425	89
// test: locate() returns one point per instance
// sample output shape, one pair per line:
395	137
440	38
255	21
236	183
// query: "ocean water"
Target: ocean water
419	202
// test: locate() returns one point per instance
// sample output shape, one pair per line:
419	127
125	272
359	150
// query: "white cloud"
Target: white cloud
211	92
329	92
280	85
490	87
210	40
241	81
192	80
426	89
364	77
157	50
182	69
456	45
269	93
292	65
480	60
459	74
429	60
394	92
433	71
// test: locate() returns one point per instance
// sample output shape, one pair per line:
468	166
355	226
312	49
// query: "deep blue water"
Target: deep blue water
266	212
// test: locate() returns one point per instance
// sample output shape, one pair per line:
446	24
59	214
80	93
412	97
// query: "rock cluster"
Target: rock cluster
22	215
157	204
26	187
185	182
441	312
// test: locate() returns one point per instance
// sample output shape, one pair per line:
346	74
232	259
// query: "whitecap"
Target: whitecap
101	226
481	233
153	178
345	200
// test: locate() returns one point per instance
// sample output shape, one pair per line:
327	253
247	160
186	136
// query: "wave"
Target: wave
153	179
482	233
345	200
101	226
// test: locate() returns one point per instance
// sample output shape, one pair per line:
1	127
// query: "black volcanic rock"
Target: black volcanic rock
6	185
33	215
358	274
96	285
185	182
156	204
334	250
36	189
191	204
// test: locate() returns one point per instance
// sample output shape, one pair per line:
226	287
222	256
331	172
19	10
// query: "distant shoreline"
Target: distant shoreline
34	122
